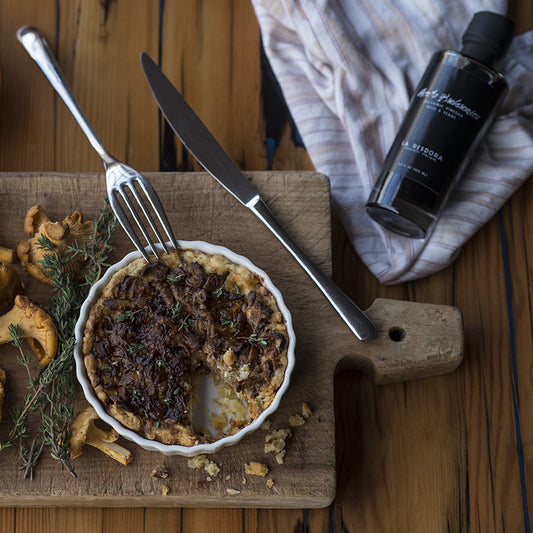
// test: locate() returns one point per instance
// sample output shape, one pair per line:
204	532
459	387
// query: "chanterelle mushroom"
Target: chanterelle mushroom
61	235
84	431
34	324
10	285
7	255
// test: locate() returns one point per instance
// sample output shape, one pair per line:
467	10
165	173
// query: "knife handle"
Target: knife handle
352	315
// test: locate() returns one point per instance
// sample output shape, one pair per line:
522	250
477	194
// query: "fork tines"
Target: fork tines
130	188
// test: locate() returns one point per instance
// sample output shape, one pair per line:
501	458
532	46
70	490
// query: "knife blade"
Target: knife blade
209	153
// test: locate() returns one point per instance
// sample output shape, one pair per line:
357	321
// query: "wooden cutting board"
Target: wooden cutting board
414	340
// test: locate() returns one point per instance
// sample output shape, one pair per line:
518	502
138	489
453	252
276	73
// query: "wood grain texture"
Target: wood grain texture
449	453
198	208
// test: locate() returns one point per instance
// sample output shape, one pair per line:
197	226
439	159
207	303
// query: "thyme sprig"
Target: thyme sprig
176	309
51	392
174	278
254	338
126	316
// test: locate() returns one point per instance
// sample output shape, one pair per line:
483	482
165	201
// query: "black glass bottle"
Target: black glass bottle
451	109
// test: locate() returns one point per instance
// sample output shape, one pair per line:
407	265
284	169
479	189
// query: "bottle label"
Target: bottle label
445	121
445	103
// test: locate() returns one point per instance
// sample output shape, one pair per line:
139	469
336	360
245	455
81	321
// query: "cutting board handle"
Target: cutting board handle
413	340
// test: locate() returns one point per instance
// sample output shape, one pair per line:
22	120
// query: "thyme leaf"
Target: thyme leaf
125	316
255	339
176	309
134	349
184	323
174	278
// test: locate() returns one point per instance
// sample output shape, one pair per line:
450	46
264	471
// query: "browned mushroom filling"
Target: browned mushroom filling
158	328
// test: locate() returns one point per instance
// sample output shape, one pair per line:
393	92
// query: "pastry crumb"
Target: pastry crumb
212	468
270	483
165	489
306	410
267	424
233	491
275	441
160	472
280	457
296	420
256	469
199	461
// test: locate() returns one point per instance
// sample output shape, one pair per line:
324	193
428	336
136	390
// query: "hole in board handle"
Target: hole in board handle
397	334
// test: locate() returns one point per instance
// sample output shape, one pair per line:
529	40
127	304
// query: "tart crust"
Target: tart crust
155	326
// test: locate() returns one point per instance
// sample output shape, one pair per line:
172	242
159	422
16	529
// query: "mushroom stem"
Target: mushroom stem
33	324
7	255
113	450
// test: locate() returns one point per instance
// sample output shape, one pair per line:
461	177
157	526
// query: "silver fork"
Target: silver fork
124	184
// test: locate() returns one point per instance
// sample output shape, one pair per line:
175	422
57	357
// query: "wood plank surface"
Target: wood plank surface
448	453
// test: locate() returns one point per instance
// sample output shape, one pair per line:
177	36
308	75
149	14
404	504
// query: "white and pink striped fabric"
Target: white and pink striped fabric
347	69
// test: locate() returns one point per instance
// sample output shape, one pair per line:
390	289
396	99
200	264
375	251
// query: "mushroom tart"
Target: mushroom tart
156	326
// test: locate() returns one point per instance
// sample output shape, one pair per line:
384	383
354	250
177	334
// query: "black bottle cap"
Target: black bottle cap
488	36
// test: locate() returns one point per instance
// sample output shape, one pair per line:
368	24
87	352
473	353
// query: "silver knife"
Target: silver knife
206	149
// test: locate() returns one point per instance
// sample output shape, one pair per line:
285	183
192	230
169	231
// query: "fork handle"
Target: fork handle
352	315
37	47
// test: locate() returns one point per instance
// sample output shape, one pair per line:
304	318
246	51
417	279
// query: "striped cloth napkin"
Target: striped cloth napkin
348	68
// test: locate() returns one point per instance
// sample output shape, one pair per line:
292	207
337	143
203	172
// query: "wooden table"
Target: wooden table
448	453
